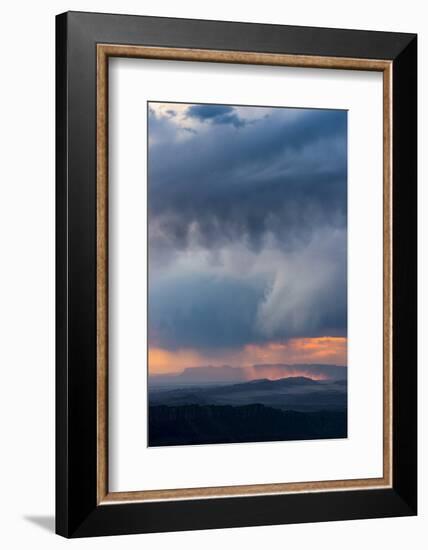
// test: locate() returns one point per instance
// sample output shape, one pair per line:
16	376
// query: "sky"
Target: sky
247	215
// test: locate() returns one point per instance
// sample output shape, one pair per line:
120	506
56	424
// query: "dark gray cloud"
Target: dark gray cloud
218	114
196	310
251	298
247	226
280	176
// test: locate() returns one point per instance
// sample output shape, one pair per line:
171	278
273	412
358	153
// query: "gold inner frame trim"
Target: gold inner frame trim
104	51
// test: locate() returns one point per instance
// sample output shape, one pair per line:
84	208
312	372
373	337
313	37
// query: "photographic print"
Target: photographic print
247	274
228	223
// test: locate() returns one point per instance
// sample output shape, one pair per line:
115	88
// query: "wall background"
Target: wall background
27	272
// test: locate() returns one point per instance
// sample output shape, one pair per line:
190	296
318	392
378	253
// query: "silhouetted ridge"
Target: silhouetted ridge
292	393
280	382
204	424
208	375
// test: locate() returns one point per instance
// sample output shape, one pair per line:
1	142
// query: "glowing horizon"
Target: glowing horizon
325	350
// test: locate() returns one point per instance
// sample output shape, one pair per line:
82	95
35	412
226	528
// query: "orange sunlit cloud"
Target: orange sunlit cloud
162	361
325	350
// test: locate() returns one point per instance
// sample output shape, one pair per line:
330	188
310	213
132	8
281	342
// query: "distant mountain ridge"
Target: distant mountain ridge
287	381
208	375
292	393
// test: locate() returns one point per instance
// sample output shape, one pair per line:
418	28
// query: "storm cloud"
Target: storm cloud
247	225
218	114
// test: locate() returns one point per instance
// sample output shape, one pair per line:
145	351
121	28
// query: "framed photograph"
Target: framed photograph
236	274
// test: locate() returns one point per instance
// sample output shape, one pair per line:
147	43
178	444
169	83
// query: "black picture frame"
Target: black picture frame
78	513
